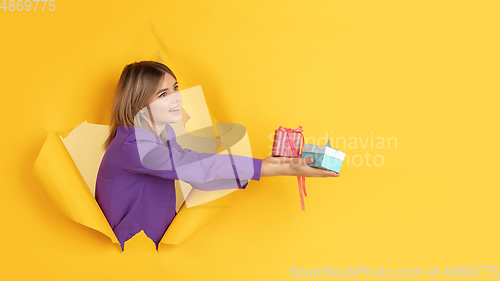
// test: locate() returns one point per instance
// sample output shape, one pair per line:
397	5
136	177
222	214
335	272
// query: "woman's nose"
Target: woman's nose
177	97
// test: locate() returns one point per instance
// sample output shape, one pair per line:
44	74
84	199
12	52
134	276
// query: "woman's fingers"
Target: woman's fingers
309	171
299	167
324	173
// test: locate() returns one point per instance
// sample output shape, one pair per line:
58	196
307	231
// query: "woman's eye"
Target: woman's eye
165	93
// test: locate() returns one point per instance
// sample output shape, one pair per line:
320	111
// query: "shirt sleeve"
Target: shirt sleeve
144	153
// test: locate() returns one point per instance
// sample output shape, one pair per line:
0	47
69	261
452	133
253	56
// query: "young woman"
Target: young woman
135	182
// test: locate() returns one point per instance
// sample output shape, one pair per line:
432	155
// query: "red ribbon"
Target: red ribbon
291	148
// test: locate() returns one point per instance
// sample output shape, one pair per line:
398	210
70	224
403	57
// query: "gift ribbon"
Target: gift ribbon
291	148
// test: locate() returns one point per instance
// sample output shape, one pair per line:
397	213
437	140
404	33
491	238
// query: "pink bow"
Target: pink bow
291	148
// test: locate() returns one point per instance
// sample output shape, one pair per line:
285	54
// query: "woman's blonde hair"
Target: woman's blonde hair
138	83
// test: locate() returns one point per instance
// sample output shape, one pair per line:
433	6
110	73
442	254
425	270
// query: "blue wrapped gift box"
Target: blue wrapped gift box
325	157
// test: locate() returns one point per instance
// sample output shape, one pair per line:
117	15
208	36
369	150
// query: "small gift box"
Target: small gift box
325	157
288	142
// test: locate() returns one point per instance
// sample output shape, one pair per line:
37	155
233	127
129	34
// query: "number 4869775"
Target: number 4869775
455	272
21	5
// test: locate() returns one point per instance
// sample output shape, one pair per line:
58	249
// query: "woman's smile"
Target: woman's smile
176	110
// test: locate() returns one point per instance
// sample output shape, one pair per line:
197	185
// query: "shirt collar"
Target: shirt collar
124	130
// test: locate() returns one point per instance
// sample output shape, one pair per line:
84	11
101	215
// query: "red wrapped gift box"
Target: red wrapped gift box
286	140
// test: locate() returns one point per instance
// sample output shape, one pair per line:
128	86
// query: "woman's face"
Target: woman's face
165	104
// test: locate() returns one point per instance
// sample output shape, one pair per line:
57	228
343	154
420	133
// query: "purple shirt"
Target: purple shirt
135	185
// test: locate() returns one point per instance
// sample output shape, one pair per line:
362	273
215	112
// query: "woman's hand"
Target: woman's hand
284	166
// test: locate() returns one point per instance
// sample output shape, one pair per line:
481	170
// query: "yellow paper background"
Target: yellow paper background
423	72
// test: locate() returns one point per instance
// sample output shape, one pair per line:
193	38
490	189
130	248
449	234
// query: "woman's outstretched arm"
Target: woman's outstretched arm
284	166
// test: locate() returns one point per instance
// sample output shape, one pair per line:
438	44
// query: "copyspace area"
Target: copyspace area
408	90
